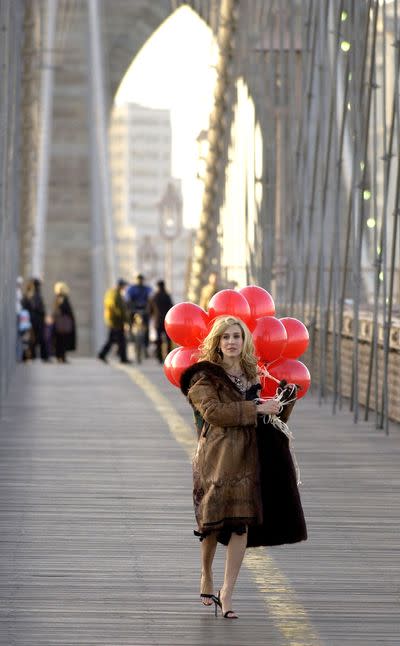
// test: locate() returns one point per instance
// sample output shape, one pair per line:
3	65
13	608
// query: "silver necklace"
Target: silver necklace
238	381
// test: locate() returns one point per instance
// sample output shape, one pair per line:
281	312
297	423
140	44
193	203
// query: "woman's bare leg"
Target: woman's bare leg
208	547
233	561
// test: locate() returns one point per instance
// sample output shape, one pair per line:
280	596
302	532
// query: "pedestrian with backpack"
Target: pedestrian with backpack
137	299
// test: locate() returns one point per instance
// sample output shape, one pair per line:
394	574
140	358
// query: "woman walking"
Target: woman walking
64	328
32	301
234	501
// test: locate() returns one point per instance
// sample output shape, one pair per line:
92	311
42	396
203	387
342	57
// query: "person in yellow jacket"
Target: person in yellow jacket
115	317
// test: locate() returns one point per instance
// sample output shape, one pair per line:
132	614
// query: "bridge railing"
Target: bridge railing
352	366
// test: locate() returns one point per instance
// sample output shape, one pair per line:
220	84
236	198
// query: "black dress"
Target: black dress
283	517
64	329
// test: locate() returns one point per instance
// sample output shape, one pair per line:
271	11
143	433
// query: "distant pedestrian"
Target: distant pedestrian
115	317
159	304
24	326
64	327
33	302
139	331
24	334
137	297
19	293
18	308
208	291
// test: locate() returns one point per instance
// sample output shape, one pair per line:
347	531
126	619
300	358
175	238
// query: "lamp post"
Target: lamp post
147	256
170	209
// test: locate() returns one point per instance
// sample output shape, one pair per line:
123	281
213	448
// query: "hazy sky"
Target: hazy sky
174	70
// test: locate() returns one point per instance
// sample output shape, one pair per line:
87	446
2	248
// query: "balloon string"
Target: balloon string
283	427
265	373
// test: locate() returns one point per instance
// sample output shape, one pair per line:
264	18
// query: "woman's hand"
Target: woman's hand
269	407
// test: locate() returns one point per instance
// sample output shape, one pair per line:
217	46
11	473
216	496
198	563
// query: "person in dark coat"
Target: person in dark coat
244	480
64	326
159	305
33	302
137	298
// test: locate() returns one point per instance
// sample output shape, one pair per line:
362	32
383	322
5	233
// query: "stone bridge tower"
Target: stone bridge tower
126	26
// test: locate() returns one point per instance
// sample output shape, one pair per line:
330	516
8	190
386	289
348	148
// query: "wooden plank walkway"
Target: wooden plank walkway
96	523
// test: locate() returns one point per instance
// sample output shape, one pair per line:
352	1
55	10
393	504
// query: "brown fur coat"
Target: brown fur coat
225	468
243	473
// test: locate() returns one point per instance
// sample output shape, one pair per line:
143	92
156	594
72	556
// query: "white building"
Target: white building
140	152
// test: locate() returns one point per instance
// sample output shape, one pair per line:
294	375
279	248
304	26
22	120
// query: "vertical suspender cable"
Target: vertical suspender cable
388	320
101	143
103	250
306	175
373	350
46	103
217	137
337	144
388	143
362	278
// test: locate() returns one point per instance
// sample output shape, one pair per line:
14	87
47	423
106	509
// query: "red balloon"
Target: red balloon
269	338
181	360
297	338
168	370
227	302
260	301
293	371
186	324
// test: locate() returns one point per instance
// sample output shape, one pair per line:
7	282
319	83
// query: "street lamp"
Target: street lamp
147	257
170	209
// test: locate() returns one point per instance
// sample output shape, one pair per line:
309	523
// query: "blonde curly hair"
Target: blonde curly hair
61	289
208	350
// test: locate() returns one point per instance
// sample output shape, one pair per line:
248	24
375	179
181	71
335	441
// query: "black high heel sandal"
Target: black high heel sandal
229	614
207	596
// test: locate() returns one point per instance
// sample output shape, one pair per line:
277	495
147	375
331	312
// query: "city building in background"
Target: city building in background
140	152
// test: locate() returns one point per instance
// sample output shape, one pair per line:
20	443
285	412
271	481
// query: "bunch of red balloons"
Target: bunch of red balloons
278	342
